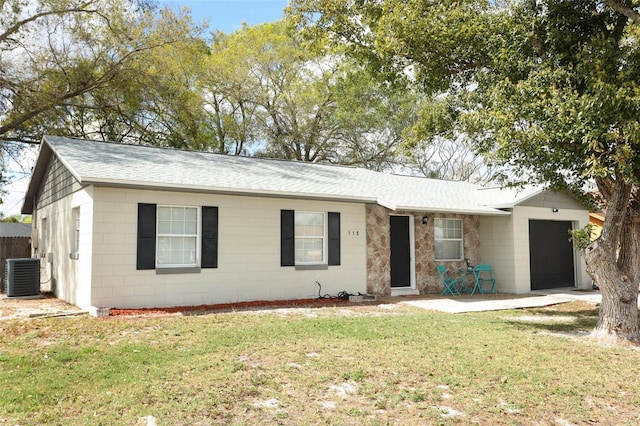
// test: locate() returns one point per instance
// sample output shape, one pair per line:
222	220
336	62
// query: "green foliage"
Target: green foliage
582	237
440	40
572	115
86	69
68	50
145	96
16	218
550	88
269	94
373	118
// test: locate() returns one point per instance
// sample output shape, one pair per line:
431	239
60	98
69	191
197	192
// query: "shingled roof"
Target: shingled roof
8	229
146	167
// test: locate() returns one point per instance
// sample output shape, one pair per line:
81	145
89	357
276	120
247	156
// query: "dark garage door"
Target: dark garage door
550	254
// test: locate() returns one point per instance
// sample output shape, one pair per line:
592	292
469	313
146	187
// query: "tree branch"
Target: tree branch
88	86
623	9
16	27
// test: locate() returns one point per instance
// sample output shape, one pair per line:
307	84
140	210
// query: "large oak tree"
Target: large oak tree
550	86
84	68
266	93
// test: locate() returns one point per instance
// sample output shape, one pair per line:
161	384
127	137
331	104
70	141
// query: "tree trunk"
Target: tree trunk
613	264
618	318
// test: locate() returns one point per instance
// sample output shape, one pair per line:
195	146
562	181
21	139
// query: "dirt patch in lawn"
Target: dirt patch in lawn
43	305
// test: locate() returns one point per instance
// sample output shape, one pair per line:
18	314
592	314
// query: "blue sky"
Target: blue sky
228	15
223	15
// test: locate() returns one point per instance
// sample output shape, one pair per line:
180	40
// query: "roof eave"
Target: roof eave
501	206
527	197
37	174
479	212
119	183
386	204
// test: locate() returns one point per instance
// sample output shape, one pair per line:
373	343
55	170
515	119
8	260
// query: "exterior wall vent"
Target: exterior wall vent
22	277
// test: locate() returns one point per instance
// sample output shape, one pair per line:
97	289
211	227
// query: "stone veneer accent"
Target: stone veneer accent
427	281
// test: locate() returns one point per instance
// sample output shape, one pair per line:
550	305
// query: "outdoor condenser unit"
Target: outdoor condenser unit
22	277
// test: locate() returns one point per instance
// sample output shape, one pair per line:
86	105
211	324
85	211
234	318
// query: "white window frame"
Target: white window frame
441	222
160	235
75	249
324	237
44	236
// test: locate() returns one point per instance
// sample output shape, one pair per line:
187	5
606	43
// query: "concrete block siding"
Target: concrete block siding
249	249
55	230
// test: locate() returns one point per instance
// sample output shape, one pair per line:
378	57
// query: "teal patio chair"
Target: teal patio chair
485	275
451	285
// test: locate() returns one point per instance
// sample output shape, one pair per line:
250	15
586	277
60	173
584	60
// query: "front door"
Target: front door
400	252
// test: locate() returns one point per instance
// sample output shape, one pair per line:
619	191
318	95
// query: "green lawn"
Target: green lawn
357	365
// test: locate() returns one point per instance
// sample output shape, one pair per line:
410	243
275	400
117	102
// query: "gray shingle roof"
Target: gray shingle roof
502	198
93	162
15	229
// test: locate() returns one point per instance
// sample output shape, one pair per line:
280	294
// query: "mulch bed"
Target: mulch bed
230	307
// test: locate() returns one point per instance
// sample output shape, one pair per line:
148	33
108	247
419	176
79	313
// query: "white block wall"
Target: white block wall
69	278
497	249
248	253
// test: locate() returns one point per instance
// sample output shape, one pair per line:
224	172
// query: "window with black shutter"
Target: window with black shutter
309	238
167	237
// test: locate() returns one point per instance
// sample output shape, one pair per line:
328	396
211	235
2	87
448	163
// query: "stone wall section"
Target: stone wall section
378	246
379	241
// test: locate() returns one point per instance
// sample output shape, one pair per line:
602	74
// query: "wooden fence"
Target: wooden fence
12	248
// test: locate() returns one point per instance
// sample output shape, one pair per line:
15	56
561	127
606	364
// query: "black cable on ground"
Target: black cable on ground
342	295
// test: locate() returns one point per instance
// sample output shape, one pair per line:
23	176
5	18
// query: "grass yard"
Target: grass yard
371	365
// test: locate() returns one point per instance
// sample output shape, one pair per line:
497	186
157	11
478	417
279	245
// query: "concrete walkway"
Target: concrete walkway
500	301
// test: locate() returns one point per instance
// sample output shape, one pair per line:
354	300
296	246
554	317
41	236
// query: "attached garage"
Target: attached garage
551	254
530	249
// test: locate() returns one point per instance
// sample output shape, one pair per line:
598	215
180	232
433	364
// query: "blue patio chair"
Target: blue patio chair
451	285
485	275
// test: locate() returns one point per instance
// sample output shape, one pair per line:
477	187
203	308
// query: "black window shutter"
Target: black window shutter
146	248
334	238
287	241
209	237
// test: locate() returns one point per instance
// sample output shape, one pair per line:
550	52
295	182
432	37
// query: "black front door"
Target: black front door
400	252
550	254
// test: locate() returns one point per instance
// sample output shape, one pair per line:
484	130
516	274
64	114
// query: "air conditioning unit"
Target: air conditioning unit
22	277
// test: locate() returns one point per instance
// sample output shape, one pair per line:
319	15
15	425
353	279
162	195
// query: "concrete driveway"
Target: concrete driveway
501	301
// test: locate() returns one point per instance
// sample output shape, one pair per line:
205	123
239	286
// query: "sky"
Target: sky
223	15
228	15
